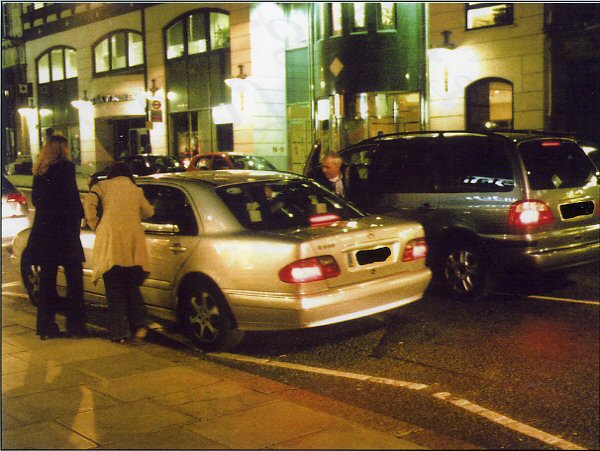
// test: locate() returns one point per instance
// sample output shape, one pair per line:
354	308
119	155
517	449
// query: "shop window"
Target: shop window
197	33
57	58
219	30
57	64
489	104
359	16
336	19
175	41
386	16
120	50
485	15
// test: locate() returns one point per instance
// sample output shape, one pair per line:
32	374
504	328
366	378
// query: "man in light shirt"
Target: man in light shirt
331	168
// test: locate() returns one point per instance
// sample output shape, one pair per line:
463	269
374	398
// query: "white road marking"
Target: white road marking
507	422
495	417
313	369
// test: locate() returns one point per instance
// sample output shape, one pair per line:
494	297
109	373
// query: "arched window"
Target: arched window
118	51
57	87
489	104
196	33
198	61
59	63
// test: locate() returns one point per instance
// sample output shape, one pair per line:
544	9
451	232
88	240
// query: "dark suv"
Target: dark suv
490	202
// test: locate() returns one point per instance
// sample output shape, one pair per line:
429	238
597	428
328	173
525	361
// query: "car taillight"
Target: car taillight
530	213
310	270
323	219
17	197
414	250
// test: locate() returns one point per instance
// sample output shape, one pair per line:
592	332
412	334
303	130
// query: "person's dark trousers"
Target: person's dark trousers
48	303
126	308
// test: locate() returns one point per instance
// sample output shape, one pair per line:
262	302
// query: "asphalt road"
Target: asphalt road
518	371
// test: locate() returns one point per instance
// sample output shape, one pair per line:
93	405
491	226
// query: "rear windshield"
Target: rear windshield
555	164
285	204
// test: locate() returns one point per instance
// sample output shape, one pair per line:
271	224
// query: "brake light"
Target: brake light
530	213
310	270
323	219
415	250
550	144
17	197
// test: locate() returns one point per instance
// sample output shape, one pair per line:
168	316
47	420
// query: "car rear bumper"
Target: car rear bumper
272	311
539	259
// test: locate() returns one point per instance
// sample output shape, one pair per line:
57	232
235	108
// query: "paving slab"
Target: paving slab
152	383
347	436
170	438
45	435
119	422
264	426
56	403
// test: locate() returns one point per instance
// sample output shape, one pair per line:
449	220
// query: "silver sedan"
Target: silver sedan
235	251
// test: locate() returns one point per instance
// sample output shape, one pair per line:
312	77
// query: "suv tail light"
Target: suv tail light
310	270
414	250
530	213
19	197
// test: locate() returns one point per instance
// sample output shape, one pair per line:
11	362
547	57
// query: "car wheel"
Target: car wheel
465	273
31	279
207	320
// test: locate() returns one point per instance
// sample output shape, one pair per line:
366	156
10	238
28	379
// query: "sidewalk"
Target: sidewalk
91	393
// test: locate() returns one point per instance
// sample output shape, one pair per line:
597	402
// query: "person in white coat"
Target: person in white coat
120	250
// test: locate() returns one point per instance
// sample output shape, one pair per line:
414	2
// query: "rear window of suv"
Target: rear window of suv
279	205
555	164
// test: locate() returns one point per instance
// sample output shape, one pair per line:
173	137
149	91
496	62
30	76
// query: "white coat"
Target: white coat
120	238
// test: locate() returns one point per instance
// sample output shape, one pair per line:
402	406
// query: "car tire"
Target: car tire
465	273
31	279
207	320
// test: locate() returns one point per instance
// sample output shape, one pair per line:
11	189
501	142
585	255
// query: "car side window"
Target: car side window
171	206
220	163
474	166
404	168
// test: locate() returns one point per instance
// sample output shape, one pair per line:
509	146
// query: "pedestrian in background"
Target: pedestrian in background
120	251
54	240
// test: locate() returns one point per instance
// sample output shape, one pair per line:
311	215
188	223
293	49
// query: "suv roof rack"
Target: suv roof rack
495	132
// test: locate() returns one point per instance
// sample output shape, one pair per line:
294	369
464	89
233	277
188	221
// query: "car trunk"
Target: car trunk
369	248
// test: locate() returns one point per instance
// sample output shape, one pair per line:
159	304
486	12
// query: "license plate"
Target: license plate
367	257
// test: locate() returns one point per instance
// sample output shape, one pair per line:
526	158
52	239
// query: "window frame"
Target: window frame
469	105
184	21
474	6
48	54
127	53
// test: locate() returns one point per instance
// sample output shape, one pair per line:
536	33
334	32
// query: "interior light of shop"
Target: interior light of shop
45	112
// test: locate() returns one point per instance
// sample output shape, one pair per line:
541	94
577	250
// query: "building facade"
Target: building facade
271	78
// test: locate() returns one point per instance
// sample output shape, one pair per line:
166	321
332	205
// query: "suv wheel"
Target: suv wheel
465	273
31	279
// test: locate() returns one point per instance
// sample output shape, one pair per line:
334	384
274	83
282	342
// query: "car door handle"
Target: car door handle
177	248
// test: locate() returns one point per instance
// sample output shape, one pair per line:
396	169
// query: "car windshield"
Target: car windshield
555	164
251	162
285	204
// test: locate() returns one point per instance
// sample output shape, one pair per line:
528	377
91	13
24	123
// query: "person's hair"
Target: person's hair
119	169
54	150
334	156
